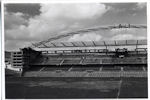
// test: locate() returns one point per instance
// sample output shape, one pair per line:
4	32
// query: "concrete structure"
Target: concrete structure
120	55
17	60
20	60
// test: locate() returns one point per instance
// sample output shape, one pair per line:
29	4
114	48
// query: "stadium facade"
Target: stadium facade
121	58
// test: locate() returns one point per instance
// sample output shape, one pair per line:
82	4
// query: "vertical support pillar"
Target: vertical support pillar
144	68
100	69
137	47
121	68
106	47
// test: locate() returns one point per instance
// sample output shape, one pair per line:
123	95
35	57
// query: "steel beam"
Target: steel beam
54	44
63	44
73	44
93	43
83	43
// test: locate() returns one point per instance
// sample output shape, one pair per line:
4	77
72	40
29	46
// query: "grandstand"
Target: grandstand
87	62
80	69
114	58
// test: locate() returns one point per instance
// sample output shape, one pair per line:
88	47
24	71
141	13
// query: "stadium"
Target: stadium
97	69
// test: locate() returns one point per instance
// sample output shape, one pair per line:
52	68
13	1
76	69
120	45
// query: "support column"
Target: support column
121	68
100	69
144	68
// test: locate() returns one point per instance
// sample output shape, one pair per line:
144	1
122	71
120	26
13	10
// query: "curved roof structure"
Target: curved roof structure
49	42
80	45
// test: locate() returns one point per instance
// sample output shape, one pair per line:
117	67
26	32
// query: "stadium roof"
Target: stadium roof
80	45
94	43
49	43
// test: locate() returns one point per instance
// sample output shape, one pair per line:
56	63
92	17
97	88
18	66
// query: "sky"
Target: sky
30	23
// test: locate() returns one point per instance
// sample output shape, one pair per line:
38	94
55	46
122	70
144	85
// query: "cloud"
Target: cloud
133	31
124	30
127	37
141	5
122	37
85	37
15	45
13	20
129	34
58	19
62	17
112	34
53	20
20	33
75	11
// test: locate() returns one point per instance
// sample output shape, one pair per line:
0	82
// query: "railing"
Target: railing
83	60
86	74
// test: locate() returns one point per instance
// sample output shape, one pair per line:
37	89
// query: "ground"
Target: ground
45	88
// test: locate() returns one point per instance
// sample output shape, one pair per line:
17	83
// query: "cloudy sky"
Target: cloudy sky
31	23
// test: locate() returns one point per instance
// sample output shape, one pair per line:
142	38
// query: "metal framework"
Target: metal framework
48	43
94	45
